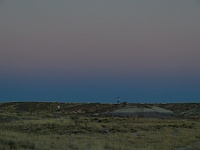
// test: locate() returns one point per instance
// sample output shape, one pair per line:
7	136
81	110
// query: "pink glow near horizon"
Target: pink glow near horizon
100	39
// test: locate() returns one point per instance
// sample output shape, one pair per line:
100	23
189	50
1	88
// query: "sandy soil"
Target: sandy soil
147	112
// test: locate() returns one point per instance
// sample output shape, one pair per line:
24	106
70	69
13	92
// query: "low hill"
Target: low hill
189	110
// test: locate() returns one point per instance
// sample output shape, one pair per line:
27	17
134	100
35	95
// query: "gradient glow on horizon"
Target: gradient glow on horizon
95	51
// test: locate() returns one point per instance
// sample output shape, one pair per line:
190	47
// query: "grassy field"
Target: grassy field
59	130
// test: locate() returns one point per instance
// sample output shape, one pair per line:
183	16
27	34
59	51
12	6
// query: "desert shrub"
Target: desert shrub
26	144
16	144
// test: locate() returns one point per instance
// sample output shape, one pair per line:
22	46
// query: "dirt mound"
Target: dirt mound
144	112
183	109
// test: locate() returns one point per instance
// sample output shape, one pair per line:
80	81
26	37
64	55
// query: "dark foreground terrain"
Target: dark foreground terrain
38	125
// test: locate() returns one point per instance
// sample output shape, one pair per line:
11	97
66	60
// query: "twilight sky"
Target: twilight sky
97	50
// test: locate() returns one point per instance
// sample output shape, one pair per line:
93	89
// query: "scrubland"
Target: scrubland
63	131
81	132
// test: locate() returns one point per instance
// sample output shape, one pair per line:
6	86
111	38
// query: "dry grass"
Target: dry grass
119	133
29	128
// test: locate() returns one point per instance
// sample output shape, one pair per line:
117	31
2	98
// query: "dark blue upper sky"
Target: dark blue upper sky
95	51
